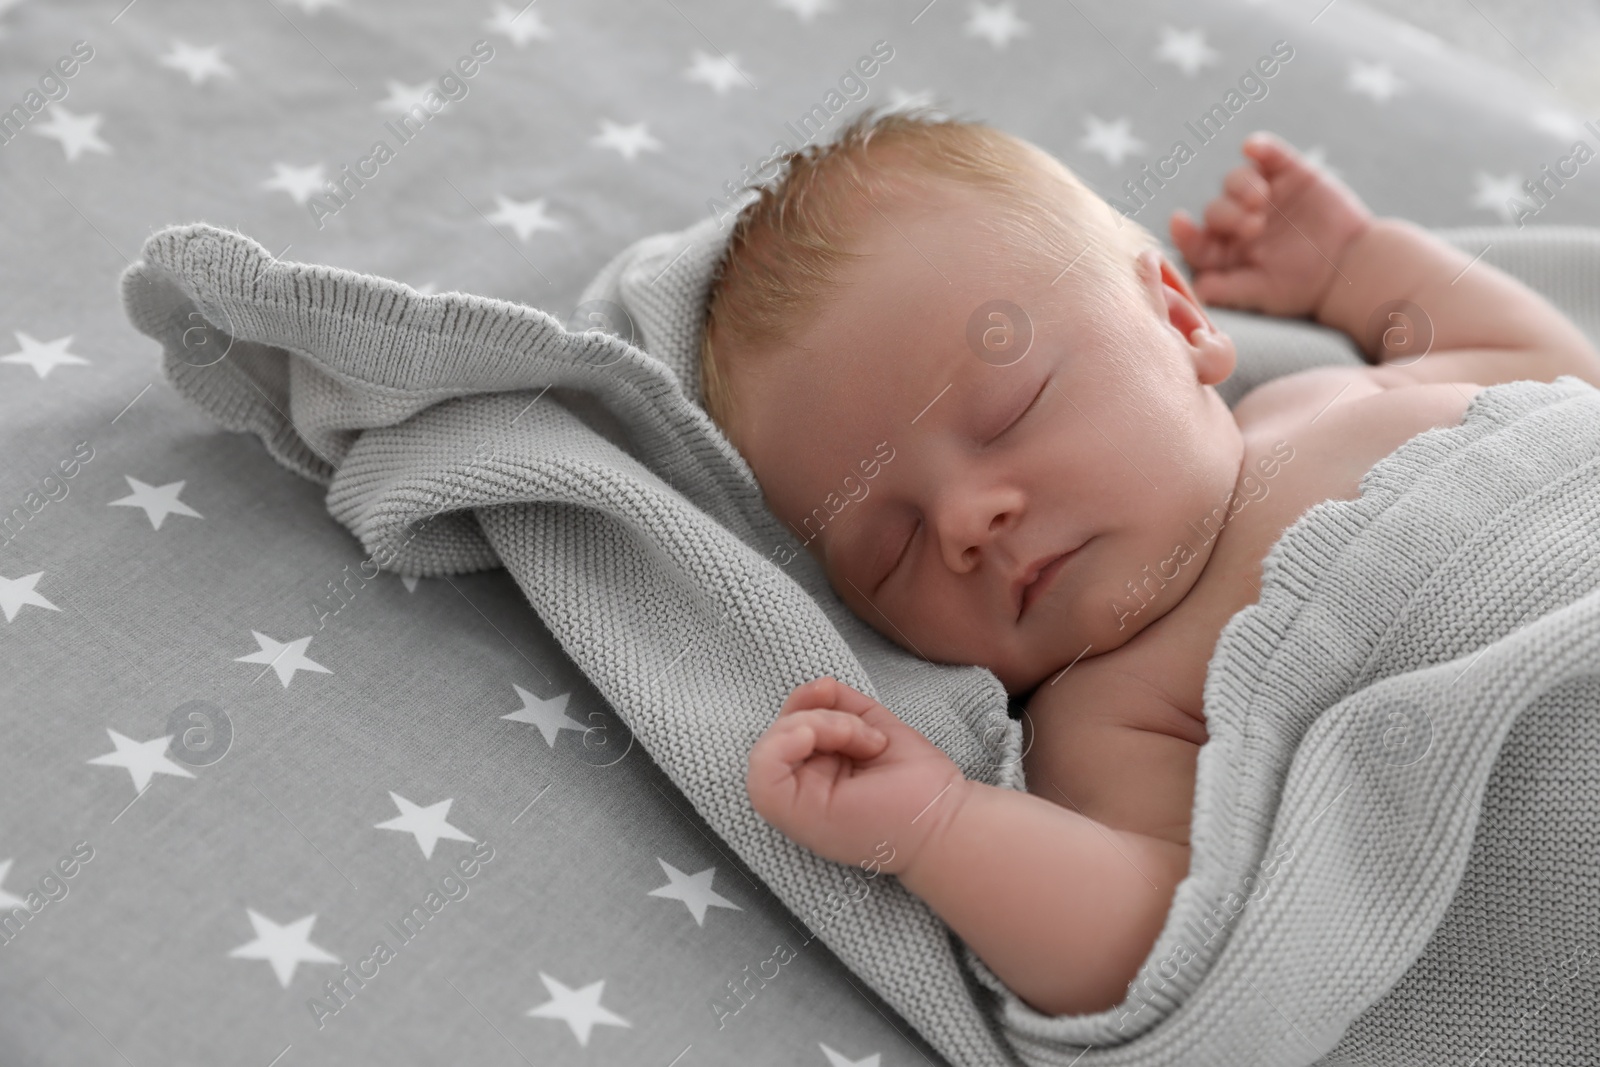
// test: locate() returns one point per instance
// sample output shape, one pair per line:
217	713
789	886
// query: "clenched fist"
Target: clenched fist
1272	241
840	774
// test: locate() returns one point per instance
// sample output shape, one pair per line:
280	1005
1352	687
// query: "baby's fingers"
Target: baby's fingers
1240	288
829	692
1271	153
1226	217
1248	187
1202	251
795	738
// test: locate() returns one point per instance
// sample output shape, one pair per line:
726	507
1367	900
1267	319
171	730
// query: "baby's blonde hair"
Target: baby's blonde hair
788	245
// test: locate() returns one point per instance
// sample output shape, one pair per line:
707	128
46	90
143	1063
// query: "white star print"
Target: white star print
142	759
629	140
900	99
579	1008
1376	80
77	133
285	947
8	900
524	216
158	501
42	356
550	716
198	63
1114	140
18	593
997	23
403	97
839	1059
1492	193
521	27
693	889
1416	37
298	182
1558	123
426	824
284	658
721	73
1317	156
806	10
1185	49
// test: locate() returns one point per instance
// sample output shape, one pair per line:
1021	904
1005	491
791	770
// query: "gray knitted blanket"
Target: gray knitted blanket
1394	832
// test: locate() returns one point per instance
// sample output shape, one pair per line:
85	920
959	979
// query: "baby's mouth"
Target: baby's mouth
1044	575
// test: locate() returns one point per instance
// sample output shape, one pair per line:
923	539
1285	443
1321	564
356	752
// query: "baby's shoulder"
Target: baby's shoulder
1298	397
1352	415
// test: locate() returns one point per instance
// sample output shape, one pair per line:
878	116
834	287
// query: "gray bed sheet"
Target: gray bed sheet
237	758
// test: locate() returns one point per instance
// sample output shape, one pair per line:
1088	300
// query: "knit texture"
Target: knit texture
1455	599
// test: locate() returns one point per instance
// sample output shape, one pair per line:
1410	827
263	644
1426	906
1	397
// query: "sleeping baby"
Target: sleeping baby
1069	501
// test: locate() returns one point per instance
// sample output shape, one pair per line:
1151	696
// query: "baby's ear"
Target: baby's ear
1174	303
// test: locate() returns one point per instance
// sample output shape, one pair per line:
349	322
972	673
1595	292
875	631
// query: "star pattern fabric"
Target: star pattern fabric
312	100
839	1059
43	356
997	24
285	946
157	501
283	657
195	63
427	824
525	217
548	715
693	889
520	25
8	900
1114	140
1376	80
299	182
141	759
628	141
720	72
18	593
1497	192
76	133
402	97
1186	49
580	1009
805	10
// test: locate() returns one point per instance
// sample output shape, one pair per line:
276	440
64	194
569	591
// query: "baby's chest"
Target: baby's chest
1317	445
1112	747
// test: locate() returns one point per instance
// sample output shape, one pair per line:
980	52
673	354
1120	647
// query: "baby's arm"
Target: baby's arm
1061	908
1286	238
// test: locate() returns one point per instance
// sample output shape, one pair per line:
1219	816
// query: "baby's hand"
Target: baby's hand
840	774
1271	240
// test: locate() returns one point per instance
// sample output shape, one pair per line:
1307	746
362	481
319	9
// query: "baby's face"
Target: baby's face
930	476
